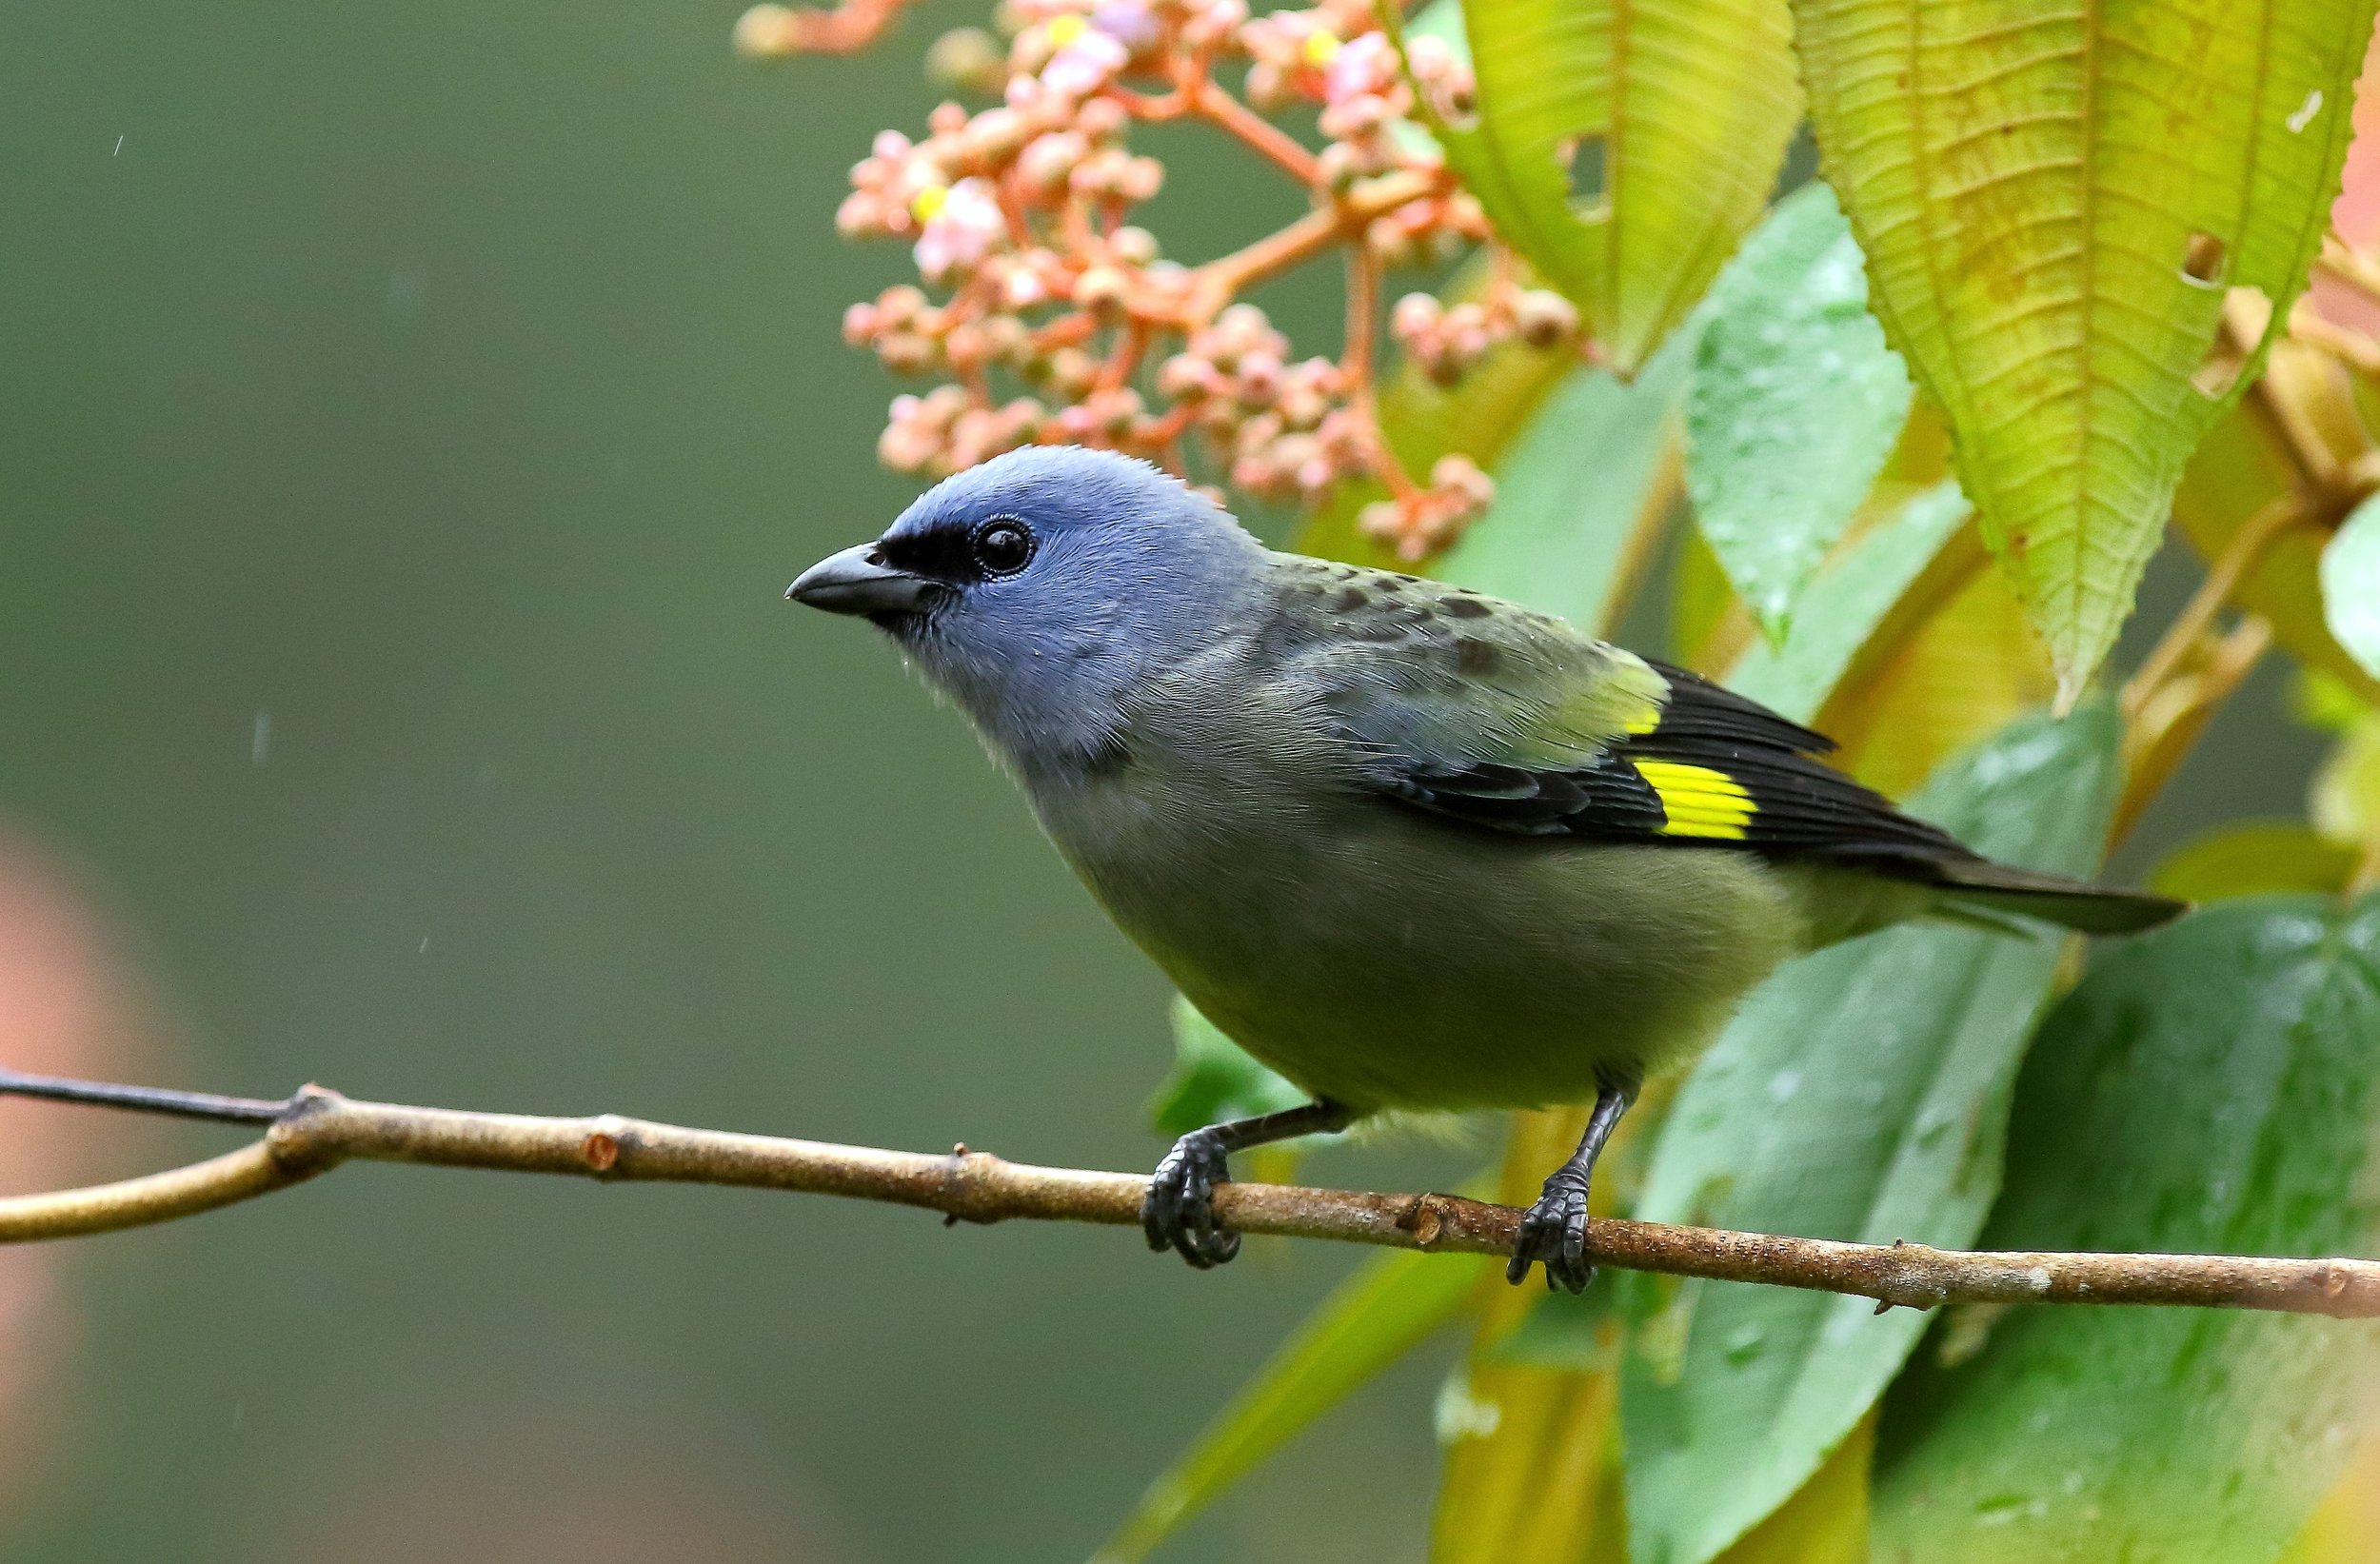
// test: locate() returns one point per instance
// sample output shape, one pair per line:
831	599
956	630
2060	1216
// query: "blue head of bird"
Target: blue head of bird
1037	588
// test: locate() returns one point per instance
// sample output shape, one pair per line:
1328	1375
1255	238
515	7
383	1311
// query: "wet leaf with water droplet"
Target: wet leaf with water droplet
2209	1088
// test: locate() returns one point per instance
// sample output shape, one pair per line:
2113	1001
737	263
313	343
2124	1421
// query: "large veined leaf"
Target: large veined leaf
1860	1093
1373	1319
2351	585
2208	1088
2053	199
1795	404
1625	146
1581	492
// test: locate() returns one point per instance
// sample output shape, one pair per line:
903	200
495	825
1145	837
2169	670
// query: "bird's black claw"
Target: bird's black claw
1555	1231
1178	1211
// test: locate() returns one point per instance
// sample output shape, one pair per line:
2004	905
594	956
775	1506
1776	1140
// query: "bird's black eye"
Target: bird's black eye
1003	547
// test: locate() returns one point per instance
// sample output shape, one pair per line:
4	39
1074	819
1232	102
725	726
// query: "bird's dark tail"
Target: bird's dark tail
2054	898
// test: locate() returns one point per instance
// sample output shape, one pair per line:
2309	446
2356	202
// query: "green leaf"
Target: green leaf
1580	495
1860	1093
2351	585
2208	1089
2052	200
2252	858
1624	145
1213	1080
1372	1319
1849	605
1796	404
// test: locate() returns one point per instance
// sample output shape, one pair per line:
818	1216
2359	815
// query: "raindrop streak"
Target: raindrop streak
119	148
260	740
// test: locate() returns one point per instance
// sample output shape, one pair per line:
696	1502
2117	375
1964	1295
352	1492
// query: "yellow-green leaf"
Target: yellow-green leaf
1374	1318
1532	1468
1624	145
1826	1521
2241	467
2053	199
2252	858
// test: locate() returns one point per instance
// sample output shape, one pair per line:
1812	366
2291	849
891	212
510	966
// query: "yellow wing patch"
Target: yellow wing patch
1697	800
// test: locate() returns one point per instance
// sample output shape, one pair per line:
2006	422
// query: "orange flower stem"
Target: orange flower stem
1267	138
1131	343
1220	279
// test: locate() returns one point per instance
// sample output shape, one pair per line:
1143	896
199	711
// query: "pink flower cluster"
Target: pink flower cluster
1062	321
1446	342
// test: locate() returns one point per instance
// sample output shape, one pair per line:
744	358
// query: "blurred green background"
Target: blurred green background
409	417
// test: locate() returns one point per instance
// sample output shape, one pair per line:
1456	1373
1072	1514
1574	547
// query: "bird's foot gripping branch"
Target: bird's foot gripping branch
315	1130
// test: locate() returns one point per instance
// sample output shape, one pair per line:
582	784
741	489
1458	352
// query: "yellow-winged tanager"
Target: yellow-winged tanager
1411	846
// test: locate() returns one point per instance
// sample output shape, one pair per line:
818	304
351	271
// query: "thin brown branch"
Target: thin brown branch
2161	731
316	1130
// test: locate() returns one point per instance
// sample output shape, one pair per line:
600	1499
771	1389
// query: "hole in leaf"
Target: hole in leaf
2202	259
1582	158
2246	312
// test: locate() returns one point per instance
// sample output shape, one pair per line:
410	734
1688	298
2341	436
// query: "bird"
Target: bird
1414	847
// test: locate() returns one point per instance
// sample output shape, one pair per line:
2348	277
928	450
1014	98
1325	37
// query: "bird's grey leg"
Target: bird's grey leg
1178	1211
1554	1229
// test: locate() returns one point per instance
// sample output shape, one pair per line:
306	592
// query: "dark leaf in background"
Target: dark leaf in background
2208	1088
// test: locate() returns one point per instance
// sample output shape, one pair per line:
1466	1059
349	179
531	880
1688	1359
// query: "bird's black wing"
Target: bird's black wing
1714	770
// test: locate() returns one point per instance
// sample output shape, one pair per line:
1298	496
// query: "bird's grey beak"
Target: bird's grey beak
856	582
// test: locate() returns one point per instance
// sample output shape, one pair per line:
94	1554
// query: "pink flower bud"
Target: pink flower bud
1102	118
860	216
1414	315
1101	290
1140	179
1260	378
1132	246
1048	159
1185	377
1544	318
